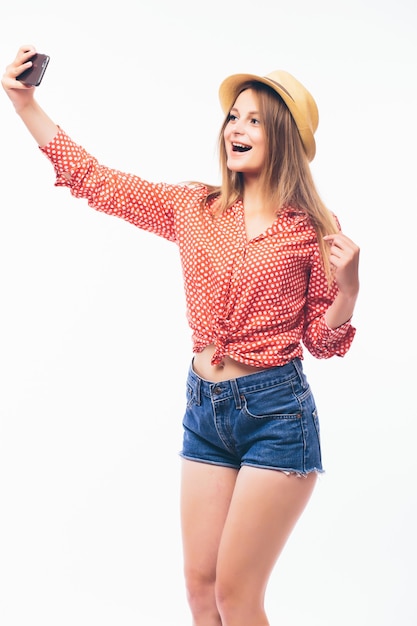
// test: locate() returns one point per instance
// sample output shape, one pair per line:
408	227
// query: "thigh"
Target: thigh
206	492
264	509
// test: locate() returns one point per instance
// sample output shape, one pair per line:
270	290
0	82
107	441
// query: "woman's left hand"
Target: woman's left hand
344	258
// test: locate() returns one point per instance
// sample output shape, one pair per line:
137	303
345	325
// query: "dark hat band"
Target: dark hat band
280	87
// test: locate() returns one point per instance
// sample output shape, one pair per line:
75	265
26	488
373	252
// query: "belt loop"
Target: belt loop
198	390
299	369
236	394
195	383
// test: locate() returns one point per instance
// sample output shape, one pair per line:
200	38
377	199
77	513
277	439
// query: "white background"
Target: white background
94	345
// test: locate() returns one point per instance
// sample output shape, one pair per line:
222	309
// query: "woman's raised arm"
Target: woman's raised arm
39	124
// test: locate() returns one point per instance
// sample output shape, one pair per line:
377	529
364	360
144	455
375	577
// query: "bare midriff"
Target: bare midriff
227	369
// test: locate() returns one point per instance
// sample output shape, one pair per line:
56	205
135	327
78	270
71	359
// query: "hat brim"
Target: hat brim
229	90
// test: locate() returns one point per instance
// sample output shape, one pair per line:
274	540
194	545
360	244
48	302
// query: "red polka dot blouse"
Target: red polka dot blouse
257	301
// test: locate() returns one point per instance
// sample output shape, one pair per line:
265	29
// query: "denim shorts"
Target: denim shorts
267	419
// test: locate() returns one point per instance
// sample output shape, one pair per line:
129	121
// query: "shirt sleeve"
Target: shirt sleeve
322	341
148	206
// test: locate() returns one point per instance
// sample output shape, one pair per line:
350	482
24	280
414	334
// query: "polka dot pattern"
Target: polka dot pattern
257	301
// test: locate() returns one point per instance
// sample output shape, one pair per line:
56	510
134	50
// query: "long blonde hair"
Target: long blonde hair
286	179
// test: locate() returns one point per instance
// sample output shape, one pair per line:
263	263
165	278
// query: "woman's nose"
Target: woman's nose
237	127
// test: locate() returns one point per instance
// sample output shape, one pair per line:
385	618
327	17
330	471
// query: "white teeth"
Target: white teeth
240	147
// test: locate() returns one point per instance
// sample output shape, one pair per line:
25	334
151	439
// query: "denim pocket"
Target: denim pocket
189	395
277	402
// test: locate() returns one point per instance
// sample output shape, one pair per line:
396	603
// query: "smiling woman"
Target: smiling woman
244	137
266	271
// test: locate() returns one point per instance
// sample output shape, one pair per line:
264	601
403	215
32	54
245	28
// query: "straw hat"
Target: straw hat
299	101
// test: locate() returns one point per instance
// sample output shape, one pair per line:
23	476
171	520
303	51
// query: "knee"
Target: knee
201	598
237	605
226	599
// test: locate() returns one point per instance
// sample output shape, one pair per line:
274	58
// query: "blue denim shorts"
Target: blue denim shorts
267	419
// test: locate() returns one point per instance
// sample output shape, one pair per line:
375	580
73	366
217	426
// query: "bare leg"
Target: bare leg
206	491
263	511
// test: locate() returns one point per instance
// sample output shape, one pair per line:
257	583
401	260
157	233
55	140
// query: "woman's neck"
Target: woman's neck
253	198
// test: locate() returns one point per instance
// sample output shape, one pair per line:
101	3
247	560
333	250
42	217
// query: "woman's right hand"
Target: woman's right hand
21	95
42	128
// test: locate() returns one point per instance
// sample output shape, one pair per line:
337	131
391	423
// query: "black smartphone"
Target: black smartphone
34	74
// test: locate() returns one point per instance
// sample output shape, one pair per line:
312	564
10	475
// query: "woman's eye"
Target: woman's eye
255	121
232	117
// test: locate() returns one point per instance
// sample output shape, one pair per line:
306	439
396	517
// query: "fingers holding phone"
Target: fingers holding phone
23	74
33	75
21	63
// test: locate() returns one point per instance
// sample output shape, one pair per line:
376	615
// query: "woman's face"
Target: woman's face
244	136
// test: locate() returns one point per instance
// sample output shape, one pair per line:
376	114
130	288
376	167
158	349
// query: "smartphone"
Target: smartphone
34	74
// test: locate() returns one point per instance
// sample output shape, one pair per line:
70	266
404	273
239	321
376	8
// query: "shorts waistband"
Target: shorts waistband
235	387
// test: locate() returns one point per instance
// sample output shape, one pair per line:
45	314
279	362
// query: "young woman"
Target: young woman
266	268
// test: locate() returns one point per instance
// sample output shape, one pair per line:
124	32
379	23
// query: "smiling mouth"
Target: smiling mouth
240	147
